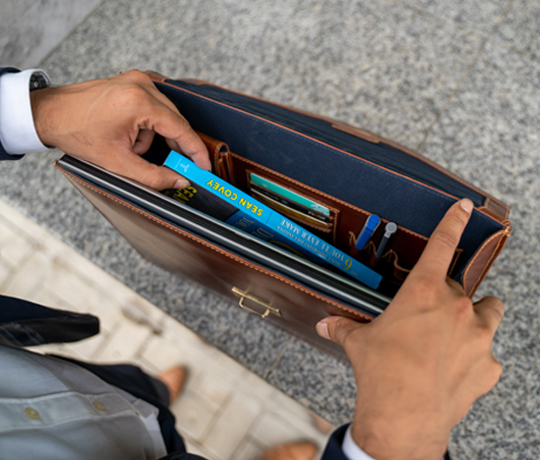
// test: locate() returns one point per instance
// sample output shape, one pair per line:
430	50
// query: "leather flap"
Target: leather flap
184	254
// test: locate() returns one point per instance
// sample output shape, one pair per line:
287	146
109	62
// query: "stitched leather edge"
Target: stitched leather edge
501	234
498	204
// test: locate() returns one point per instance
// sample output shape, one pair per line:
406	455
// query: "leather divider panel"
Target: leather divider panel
347	221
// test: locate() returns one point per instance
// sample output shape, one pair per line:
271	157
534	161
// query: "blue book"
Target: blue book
260	220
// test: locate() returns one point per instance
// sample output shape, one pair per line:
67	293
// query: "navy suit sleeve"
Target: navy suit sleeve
24	323
3	154
181	456
333	449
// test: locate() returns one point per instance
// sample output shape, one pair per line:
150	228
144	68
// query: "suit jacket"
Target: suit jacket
24	323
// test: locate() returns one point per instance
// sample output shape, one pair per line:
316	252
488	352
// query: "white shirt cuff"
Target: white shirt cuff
17	131
351	449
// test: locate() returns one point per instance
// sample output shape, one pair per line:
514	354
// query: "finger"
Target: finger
337	328
439	252
173	145
137	168
490	311
173	126
144	141
172	142
488	372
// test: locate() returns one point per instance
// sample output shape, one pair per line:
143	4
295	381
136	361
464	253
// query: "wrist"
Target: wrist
43	102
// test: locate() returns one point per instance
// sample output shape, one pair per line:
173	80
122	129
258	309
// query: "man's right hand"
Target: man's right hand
420	366
112	122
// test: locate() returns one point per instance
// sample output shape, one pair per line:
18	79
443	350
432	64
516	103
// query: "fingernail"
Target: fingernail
181	183
467	205
322	330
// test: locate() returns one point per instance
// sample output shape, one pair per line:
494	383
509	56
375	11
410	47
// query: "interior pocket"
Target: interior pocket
310	208
344	218
336	221
398	258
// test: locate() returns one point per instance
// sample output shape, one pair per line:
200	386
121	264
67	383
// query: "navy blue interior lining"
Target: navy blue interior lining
382	154
391	196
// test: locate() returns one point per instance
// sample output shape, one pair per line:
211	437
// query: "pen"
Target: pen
389	232
367	232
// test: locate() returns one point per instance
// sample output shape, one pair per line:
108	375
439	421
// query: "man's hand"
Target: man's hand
421	365
111	122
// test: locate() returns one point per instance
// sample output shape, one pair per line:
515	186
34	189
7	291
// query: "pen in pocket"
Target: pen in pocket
372	223
389	232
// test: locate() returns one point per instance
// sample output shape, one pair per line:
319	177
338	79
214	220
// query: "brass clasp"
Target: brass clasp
268	309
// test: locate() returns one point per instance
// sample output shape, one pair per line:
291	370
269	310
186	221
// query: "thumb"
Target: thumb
338	328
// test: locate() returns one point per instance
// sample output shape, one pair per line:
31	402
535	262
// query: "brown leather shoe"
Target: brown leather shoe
174	379
292	451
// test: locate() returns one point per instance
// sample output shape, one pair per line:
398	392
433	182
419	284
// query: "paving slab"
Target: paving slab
30	30
519	30
478	16
380	65
217	386
11	11
319	381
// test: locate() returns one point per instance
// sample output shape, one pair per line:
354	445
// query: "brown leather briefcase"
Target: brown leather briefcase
347	172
